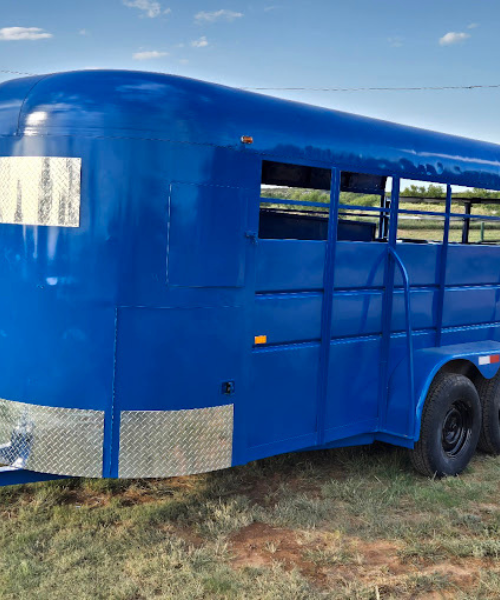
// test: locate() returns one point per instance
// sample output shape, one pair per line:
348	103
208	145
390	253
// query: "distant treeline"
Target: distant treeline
431	191
437	191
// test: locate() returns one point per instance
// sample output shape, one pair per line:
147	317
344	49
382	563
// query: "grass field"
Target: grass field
342	524
410	227
352	523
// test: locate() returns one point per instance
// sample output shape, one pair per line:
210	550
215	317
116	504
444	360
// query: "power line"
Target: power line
337	89
16	72
371	89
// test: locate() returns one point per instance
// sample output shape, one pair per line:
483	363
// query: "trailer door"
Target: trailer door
288	307
318	308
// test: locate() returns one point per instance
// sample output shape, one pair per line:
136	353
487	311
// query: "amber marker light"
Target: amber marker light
246	139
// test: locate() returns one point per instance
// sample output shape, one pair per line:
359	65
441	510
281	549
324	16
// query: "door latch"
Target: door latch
252	236
228	388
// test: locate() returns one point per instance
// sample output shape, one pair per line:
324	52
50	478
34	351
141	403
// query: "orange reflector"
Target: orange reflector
246	139
261	339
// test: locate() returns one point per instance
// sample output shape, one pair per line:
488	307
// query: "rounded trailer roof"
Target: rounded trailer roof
129	104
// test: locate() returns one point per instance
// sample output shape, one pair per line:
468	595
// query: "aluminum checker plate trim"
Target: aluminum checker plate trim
61	441
176	442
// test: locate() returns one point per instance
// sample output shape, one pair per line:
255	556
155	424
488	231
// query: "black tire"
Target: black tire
489	394
450	429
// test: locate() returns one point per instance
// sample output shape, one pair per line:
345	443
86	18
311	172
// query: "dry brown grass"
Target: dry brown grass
353	524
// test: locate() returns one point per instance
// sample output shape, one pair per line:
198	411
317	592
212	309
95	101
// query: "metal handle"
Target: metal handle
409	331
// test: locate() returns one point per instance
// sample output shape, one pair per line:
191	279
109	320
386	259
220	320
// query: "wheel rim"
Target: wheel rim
457	427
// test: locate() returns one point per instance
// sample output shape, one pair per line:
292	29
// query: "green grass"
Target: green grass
349	523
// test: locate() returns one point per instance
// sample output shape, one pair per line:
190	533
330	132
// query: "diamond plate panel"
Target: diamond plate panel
40	190
62	441
176	442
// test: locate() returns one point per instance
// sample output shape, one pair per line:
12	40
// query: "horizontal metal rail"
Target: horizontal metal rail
376	209
452	215
456	199
305	203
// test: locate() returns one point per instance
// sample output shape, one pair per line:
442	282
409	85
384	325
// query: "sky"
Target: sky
282	44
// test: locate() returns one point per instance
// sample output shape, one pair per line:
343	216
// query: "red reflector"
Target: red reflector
495	358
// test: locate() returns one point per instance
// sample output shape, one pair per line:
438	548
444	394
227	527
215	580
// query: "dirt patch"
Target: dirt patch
187	535
135	494
374	563
266	492
377	564
464	575
259	545
380	553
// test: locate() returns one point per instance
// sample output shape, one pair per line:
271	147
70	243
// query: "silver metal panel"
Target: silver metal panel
62	441
40	190
175	442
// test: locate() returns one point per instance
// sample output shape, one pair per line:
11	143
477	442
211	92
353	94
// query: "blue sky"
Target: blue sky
282	43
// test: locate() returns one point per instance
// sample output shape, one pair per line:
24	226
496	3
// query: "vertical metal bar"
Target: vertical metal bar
466	225
442	269
111	440
409	338
243	405
326	313
387	204
387	304
382	218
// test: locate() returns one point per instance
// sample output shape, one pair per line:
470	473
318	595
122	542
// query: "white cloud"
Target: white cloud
151	8
8	34
270	8
453	38
473	26
83	32
184	61
149	55
218	15
201	43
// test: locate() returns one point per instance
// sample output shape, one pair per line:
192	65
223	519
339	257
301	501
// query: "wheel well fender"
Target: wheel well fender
464	359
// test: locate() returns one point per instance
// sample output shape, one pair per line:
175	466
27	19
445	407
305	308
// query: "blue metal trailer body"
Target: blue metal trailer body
127	341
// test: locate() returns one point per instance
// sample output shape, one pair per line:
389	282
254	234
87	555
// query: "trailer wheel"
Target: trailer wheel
489	394
451	425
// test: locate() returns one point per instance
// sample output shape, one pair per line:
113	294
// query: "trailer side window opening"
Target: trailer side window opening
422	212
295	201
480	221
363	208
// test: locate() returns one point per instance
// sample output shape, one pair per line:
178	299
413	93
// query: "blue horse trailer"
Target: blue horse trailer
160	316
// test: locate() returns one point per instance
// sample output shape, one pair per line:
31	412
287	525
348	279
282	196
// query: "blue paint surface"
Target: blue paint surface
155	299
